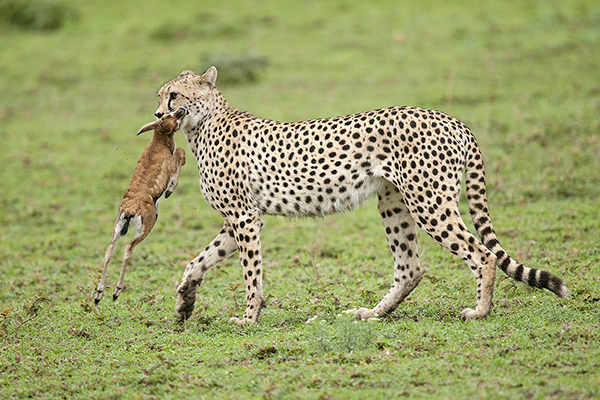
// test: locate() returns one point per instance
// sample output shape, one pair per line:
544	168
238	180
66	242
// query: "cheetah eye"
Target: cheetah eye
174	95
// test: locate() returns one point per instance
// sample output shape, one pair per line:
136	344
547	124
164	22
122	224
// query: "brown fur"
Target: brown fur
157	172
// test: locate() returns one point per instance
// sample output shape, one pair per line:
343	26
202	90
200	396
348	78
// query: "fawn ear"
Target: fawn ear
148	127
181	112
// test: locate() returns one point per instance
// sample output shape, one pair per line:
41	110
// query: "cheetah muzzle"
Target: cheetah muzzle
413	159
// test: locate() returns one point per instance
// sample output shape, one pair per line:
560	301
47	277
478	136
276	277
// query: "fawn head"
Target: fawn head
168	123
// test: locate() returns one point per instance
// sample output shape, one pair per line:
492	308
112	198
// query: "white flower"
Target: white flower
311	320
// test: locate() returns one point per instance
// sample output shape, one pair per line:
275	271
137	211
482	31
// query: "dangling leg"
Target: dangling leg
219	249
142	229
401	232
247	234
107	257
180	161
128	250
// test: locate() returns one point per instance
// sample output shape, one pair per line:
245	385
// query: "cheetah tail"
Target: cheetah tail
476	197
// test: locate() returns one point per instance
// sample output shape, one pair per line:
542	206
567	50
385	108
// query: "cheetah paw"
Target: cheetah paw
364	314
239	321
469	314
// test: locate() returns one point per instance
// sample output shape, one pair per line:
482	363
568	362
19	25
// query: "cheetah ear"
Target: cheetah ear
185	73
210	75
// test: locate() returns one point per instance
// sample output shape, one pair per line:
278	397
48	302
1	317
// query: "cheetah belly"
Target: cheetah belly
303	196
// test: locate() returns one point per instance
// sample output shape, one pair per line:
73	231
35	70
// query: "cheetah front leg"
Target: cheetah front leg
247	234
401	232
219	249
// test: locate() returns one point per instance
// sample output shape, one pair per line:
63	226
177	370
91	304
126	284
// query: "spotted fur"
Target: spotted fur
413	159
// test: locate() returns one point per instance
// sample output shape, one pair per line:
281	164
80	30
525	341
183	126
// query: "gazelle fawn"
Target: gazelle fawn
156	173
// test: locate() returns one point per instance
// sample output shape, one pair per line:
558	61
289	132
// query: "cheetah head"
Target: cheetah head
188	90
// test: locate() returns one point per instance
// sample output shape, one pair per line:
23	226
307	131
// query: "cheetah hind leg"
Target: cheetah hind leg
454	236
401	232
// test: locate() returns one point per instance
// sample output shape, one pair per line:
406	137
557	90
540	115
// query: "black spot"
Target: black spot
491	243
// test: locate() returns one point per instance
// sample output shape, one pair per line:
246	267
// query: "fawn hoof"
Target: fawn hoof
98	296
117	293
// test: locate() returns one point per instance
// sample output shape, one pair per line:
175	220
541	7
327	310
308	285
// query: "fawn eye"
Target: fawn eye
174	95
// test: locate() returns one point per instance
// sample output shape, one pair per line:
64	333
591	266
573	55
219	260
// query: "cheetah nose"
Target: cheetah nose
158	114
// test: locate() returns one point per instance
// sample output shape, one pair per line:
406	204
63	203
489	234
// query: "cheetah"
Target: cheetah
412	158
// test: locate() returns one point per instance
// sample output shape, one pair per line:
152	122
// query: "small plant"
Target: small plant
345	334
236	68
233	289
42	15
87	292
17	318
4	321
160	370
202	26
316	275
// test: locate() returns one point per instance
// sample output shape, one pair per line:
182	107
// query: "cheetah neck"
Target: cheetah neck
207	110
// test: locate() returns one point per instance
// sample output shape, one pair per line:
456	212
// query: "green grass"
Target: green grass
522	75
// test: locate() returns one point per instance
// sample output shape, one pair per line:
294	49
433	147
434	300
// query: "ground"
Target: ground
522	76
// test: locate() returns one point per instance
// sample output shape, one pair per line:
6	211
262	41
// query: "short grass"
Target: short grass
522	75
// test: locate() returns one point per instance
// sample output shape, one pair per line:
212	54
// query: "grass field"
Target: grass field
524	77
